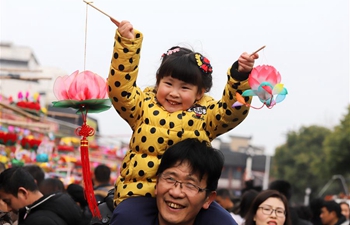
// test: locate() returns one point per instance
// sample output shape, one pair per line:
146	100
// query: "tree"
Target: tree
337	148
301	160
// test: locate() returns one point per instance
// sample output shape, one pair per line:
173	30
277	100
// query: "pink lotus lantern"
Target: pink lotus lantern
85	92
82	91
265	83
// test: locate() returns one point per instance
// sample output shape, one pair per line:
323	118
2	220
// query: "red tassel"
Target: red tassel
89	190
86	131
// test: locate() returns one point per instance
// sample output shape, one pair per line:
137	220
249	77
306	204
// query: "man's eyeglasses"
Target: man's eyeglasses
268	211
186	187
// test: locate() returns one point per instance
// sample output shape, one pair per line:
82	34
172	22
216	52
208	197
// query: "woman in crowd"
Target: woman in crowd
269	206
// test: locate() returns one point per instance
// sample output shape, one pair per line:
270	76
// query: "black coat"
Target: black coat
55	209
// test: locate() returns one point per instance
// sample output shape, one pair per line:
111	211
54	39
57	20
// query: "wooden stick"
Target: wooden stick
114	20
258	50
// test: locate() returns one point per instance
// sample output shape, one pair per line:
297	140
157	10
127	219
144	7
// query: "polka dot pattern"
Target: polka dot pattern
155	130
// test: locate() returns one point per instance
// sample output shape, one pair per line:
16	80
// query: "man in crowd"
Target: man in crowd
18	189
223	197
331	214
101	179
36	171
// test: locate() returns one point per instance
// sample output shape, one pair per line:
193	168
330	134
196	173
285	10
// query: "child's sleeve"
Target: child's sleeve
222	117
126	97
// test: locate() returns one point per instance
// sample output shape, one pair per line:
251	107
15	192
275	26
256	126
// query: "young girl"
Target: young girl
175	109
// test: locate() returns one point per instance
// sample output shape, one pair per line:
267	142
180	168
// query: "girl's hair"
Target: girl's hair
262	197
188	66
246	201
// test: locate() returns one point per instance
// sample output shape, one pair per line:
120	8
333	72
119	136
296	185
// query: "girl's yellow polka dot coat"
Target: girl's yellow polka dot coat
154	129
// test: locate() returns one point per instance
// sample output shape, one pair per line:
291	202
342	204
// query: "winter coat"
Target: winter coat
155	129
101	191
54	209
342	221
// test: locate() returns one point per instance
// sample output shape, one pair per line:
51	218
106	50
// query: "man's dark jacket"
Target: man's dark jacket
54	209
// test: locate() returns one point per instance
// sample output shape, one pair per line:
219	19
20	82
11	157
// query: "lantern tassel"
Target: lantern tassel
89	190
85	131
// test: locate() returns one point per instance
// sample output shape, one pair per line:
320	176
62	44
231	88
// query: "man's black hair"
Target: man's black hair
13	178
333	206
36	171
224	193
102	173
283	187
201	157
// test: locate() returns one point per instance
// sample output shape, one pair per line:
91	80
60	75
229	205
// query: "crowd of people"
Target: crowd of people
186	193
170	173
28	196
318	212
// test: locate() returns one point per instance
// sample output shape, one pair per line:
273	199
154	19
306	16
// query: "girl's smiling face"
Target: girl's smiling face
176	95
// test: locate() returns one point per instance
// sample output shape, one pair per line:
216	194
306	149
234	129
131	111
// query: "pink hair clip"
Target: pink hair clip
171	51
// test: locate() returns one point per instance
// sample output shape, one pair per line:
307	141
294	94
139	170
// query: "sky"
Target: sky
307	41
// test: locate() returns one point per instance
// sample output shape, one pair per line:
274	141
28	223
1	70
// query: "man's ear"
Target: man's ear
155	191
22	193
333	214
210	198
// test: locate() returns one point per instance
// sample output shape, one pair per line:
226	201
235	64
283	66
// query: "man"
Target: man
223	197
36	171
20	192
187	178
331	214
101	179
5	216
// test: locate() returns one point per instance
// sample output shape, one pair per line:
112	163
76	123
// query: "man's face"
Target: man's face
13	203
176	204
327	217
3	206
226	203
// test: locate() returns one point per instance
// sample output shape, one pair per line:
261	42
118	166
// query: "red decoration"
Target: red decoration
30	143
65	148
84	91
8	139
86	131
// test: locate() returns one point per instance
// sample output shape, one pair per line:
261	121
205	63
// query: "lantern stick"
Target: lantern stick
258	50
114	20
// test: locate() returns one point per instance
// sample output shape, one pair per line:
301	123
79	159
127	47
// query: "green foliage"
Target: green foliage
301	160
312	155
337	148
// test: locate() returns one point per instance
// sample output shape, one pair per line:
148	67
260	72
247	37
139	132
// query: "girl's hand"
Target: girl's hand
246	62
126	29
